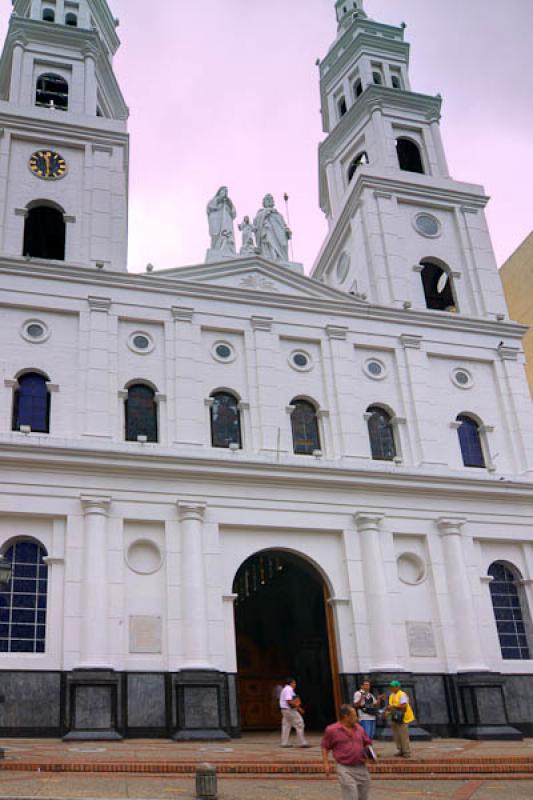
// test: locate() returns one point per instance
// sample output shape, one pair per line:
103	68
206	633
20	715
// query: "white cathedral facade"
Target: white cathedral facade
217	475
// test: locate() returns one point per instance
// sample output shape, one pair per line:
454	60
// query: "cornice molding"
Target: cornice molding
89	459
343	305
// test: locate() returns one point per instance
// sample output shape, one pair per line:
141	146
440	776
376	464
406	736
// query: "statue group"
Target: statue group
267	236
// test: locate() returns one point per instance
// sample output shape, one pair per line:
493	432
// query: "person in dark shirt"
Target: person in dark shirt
348	742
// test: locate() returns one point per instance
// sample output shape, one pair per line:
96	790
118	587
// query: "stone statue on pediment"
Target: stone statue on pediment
272	232
247	229
221	214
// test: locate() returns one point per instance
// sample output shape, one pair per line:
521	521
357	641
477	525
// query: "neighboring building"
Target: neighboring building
517	280
215	475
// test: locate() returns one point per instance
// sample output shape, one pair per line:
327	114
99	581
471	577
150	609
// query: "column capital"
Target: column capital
95	504
191	510
337	332
182	314
508	352
368	521
410	342
450	525
259	323
99	303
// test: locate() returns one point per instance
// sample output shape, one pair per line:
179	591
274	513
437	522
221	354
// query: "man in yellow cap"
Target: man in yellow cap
401	715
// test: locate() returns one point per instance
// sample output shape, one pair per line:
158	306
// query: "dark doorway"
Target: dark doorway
283	628
44	233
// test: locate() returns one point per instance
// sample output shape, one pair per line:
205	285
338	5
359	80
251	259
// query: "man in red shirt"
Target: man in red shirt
348	741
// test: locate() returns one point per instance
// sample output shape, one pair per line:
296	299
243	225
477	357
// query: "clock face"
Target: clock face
48	165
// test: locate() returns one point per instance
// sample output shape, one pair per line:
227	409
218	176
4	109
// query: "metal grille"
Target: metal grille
23	603
508	611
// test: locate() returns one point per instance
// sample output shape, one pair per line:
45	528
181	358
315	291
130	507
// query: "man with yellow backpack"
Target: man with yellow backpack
401	714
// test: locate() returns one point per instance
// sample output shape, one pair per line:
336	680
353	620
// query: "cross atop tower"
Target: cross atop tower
346	10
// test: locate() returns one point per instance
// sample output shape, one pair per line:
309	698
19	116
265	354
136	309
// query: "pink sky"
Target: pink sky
226	92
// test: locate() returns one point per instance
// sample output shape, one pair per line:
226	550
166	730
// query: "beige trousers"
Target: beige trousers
290	718
400	734
354	782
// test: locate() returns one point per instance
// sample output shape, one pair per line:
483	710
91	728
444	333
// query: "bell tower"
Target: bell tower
402	232
63	136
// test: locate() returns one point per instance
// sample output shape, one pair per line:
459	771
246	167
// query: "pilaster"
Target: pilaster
193	585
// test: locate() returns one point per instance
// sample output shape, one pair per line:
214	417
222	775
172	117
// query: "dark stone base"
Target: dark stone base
93	736
195	705
492	732
201	736
466	705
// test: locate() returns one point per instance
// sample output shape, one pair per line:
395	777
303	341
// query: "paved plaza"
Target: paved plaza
259	749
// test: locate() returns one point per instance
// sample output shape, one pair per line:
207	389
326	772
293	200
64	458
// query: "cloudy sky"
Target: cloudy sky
226	92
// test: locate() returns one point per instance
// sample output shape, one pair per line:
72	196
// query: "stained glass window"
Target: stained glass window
511	624
32	403
141	413
305	433
23	601
470	442
225	420
381	434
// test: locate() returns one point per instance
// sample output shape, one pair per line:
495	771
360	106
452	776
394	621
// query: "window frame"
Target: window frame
152	436
45	414
508	614
57	77
315	443
18	587
231	443
377	446
464	445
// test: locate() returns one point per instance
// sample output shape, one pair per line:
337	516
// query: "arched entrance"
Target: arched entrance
284	627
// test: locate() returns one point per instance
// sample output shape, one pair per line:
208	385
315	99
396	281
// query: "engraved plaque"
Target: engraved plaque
145	634
421	639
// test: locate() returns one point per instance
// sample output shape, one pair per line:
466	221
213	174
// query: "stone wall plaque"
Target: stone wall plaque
201	707
145	634
421	640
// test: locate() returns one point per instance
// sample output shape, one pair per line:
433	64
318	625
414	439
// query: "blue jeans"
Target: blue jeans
369	726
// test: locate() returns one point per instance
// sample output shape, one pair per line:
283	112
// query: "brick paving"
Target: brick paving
466	764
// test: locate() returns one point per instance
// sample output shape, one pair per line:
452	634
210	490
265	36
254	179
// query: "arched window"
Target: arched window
23	601
341	106
438	287
32	403
44	233
49	15
381	434
72	20
470	442
360	160
225	420
358	88
510	610
141	413
409	157
52	92
305	433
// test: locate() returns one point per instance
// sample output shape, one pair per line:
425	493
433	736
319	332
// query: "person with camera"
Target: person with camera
401	715
367	707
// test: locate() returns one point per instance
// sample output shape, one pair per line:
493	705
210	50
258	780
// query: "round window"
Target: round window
462	378
374	368
427	225
141	342
343	267
35	331
300	360
223	351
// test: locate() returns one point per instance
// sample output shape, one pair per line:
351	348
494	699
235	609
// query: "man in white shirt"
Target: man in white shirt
291	718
